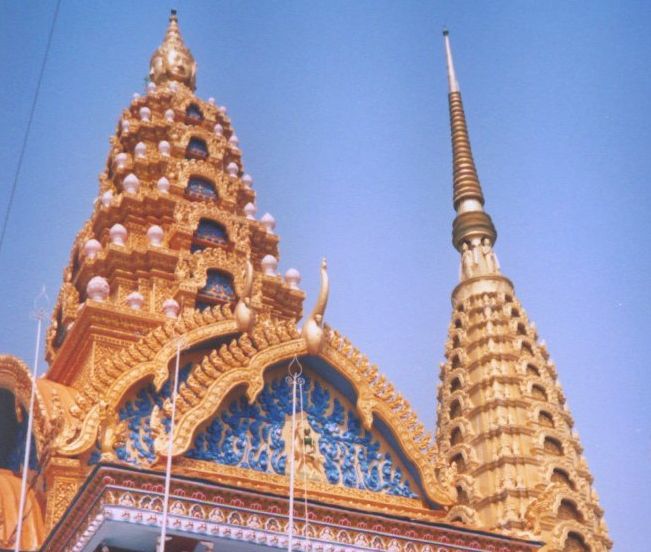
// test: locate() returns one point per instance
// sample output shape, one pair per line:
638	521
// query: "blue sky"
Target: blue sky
341	110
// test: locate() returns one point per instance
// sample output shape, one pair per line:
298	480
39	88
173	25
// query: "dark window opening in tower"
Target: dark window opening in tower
456	363
456	436
561	476
521	329
459	462
455	409
545	419
538	392
197	149
193	114
200	189
462	495
575	543
553	446
515	313
456	342
455	384
219	289
208	234
526	348
568	510
457	323
533	371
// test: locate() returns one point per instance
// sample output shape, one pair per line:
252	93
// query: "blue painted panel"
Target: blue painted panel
251	436
219	286
202	188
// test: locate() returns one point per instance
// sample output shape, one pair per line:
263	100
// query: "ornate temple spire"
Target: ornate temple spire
503	424
472	225
173	61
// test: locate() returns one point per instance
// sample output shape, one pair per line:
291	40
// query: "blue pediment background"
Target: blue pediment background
257	436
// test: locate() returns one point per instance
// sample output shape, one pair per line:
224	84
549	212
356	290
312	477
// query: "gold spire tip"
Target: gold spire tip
173	61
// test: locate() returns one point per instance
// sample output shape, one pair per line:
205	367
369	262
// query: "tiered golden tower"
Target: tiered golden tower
502	419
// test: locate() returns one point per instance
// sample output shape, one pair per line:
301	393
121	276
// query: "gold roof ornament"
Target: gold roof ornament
471	222
173	61
313	328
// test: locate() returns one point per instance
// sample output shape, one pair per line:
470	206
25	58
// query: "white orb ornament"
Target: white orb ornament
121	160
173	86
91	248
163	185
222	109
107	198
293	278
171	308
232	169
145	113
124	124
211	100
135	300
219	130
268	222
118	234
247	180
250	210
151	87
135	95
140	150
155	235
169	115
234	141
164	148
98	289
131	183
269	265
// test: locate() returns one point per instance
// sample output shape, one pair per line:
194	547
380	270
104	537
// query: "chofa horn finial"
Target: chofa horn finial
313	328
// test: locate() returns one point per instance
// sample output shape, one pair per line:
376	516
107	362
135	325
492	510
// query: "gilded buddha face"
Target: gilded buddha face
173	61
174	65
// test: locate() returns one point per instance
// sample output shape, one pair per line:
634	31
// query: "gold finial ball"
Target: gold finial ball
173	61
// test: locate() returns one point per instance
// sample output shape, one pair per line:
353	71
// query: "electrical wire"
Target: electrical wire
23	147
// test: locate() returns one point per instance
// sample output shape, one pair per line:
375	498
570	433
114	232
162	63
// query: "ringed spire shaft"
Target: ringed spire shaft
472	223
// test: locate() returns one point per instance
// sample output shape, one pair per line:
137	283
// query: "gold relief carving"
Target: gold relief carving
128	368
204	169
317	490
59	497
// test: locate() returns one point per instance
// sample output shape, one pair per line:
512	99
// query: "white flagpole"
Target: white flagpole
39	314
290	542
170	448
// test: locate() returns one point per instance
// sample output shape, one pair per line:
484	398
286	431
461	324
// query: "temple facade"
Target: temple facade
188	397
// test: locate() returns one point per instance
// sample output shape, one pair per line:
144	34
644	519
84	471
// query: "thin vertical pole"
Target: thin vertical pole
290	542
170	448
39	314
307	518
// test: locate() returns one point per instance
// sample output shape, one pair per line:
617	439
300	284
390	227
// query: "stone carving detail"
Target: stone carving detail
478	259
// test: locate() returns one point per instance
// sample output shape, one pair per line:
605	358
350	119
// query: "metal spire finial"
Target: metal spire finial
472	224
453	83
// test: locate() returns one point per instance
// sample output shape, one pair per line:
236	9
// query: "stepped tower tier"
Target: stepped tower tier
503	423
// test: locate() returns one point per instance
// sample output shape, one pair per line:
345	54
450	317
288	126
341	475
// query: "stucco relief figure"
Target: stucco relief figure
308	461
488	257
467	262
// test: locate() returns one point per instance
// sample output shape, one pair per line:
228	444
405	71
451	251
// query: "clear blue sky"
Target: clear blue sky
341	110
